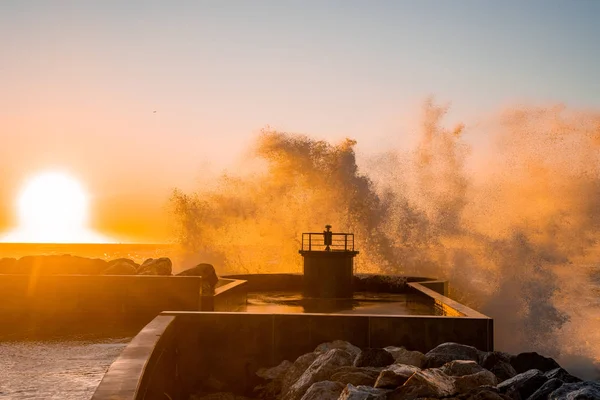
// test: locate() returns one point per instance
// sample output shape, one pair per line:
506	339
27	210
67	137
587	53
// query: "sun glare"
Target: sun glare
53	208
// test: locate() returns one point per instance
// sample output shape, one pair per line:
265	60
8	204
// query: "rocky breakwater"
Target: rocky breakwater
340	371
75	265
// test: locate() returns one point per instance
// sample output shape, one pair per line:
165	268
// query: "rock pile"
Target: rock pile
341	371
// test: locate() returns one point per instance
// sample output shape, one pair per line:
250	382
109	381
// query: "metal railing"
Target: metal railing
315	241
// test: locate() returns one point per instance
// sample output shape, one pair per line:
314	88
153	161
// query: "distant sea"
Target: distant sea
66	368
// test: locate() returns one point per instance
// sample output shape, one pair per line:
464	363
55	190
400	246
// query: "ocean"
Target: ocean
71	367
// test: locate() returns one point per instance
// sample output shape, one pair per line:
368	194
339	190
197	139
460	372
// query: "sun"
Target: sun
53	208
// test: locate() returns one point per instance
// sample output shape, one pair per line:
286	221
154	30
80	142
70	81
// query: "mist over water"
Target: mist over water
516	234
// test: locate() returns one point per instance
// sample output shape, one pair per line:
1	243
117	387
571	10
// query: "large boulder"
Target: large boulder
406	357
296	370
498	363
321	369
338	344
447	352
465	383
324	390
208	274
373	358
364	377
482	393
426	383
544	391
352	392
461	368
395	375
561	374
120	268
158	266
277	372
526	361
524	384
576	391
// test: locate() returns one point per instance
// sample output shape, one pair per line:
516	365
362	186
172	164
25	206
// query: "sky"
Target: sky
136	98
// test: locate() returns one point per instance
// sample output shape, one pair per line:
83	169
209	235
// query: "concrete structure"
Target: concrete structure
178	351
59	302
328	264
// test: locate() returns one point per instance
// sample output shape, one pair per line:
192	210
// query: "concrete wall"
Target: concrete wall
146	369
64	301
230	295
232	346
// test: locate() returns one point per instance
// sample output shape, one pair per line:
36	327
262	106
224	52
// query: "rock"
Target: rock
483	393
120	268
8	266
395	375
461	368
465	383
498	363
122	260
447	352
208	274
296	371
338	344
426	383
524	384
219	396
355	378
544	391
373	358
526	361
576	391
275	372
406	357
321	369
561	374
325	390
352	392
159	266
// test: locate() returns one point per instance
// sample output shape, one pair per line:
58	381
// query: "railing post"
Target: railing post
309	241
346	242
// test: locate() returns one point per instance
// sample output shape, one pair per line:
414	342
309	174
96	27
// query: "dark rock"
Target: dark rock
426	383
356	378
208	274
296	371
338	344
466	383
219	396
277	372
373	358
159	266
8	266
577	391
122	260
324	366
324	390
447	352
498	363
461	368
352	392
482	393
561	374
120	268
406	357
544	391
526	361
524	384
395	375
